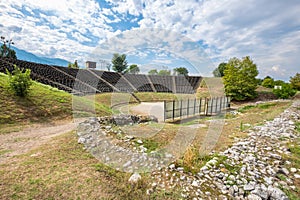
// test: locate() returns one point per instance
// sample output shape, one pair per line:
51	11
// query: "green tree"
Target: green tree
119	62
268	82
239	78
219	71
19	82
133	69
164	72
181	71
153	72
295	81
285	91
73	65
7	52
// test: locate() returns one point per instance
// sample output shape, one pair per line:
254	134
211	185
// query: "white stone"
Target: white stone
297	175
134	178
139	141
293	170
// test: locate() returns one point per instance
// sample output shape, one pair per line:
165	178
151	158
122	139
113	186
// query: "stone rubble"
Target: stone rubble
250	169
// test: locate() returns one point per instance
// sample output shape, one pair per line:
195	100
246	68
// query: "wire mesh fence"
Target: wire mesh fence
193	107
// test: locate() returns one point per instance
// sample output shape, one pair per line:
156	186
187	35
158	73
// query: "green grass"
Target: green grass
43	104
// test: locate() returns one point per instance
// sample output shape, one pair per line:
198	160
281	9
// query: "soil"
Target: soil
17	143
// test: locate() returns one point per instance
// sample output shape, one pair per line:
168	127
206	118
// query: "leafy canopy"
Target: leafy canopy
181	71
7	52
219	71
239	78
295	81
119	62
133	69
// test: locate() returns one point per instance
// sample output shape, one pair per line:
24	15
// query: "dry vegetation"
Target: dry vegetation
62	169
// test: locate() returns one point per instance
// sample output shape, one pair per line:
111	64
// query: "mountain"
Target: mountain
24	55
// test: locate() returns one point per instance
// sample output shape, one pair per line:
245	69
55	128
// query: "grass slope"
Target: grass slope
44	103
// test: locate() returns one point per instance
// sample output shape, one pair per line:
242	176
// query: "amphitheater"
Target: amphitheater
86	81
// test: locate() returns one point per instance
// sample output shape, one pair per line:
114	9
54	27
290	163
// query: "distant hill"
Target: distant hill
24	55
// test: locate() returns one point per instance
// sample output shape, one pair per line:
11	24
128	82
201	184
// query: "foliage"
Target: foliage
239	78
181	71
133	69
219	71
7	52
19	82
164	72
268	82
119	62
153	72
295	81
285	91
75	65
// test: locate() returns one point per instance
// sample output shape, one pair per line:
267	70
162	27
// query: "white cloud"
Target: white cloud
268	31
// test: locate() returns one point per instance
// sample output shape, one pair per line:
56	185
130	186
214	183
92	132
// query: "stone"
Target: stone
297	175
283	171
293	170
195	184
275	194
81	140
254	197
139	141
172	166
134	178
250	186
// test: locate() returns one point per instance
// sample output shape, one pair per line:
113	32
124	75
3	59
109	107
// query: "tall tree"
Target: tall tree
295	81
239	78
7	52
153	72
133	69
119	62
219	71
164	72
181	71
73	65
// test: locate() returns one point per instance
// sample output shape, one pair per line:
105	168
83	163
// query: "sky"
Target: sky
161	34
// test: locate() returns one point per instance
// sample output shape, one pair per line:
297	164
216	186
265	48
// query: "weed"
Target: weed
266	105
245	108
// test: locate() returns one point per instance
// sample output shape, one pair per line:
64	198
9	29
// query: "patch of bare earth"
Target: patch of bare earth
21	142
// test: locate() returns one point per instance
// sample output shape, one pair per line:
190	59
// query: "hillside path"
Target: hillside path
17	143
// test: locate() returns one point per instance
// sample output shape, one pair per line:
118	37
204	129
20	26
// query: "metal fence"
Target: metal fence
193	107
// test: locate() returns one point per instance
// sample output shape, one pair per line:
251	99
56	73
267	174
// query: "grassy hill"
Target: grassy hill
44	103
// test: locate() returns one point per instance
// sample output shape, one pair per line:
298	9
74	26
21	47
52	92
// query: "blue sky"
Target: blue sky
160	34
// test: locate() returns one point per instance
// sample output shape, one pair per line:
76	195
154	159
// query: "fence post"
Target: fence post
173	109
216	106
180	108
165	110
194	106
200	104
206	106
211	106
221	105
188	107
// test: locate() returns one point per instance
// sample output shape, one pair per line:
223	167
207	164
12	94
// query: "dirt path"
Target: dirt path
21	142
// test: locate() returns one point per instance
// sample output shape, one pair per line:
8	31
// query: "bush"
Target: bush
19	82
285	92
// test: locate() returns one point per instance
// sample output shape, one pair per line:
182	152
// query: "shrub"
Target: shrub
285	92
19	82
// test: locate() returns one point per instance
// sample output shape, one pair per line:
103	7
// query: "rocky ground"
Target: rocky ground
252	168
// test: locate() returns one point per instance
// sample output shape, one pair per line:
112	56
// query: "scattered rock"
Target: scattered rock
134	178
